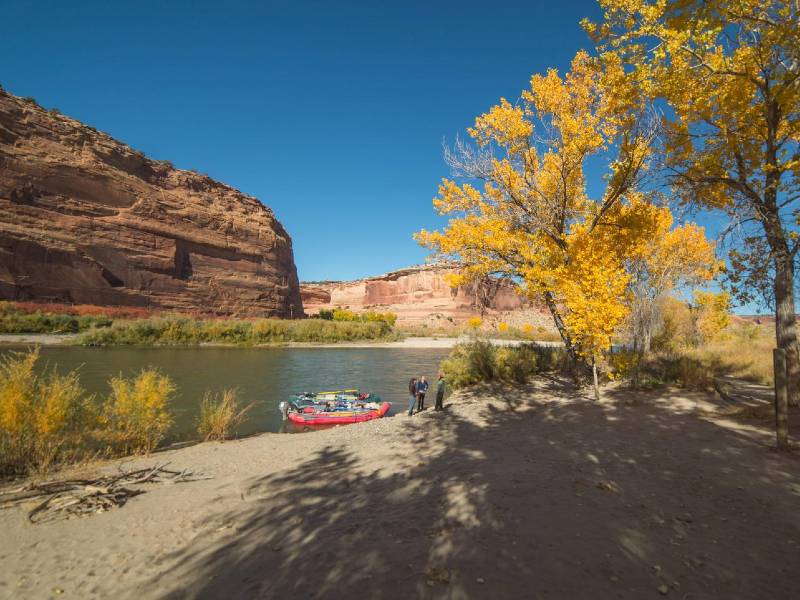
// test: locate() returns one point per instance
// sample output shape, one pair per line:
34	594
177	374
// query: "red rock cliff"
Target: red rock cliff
415	295
86	219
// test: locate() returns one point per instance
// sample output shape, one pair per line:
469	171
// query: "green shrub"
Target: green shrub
516	364
186	331
481	361
16	321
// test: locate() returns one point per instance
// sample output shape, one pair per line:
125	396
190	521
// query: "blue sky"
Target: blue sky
331	113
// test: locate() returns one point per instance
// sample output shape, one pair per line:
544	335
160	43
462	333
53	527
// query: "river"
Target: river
262	375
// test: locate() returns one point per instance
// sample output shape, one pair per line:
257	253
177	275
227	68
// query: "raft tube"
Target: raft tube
339	417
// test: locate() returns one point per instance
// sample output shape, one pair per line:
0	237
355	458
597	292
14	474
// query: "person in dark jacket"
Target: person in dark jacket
412	395
422	388
440	386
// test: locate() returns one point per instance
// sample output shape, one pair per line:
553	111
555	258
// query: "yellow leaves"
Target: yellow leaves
728	70
502	327
713	313
453	197
592	286
504	125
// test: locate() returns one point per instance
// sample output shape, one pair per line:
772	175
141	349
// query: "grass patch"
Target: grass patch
744	351
177	331
220	415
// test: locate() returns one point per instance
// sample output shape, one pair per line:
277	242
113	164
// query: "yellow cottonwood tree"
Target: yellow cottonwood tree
729	71
523	210
676	257
713	313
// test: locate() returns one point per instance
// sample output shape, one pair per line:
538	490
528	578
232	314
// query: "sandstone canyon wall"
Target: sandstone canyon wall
418	295
87	219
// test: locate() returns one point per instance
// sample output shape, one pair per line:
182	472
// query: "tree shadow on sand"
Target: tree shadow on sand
554	498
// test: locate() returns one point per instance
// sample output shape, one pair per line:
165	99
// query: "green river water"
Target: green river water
263	375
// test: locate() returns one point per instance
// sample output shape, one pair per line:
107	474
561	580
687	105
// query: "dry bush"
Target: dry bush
743	350
136	416
220	415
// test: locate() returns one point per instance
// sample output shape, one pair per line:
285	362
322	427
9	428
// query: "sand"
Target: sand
531	492
43	339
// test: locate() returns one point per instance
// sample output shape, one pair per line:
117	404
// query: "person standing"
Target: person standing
422	388
440	385
412	395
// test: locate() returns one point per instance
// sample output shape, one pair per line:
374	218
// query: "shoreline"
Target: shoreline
412	343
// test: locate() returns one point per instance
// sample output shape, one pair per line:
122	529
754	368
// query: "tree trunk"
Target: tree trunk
569	346
594	377
781	384
785	324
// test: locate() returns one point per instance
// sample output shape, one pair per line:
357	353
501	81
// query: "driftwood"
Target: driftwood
87	496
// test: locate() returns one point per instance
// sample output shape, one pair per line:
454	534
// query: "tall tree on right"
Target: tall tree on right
729	73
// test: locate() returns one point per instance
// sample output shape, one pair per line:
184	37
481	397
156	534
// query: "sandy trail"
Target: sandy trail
528	492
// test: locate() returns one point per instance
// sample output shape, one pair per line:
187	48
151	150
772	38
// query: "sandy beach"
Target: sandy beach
531	491
41	339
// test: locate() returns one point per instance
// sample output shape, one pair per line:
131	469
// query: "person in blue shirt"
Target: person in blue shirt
422	388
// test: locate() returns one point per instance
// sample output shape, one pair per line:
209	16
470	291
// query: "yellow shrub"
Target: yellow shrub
220	415
502	327
343	314
136	413
527	328
474	322
714	314
43	416
677	330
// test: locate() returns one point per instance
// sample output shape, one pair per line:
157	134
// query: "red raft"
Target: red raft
337	417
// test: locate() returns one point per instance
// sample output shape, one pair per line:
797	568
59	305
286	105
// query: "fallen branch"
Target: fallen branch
88	496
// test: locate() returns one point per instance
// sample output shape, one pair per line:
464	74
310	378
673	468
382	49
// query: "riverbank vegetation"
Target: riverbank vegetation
47	419
19	318
344	314
481	361
691	346
109	326
220	414
176	331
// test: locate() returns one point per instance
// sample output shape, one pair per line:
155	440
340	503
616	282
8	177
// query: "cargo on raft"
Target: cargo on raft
333	408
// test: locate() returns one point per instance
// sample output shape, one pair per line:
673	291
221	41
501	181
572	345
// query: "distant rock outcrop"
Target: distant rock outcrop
87	219
418	295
